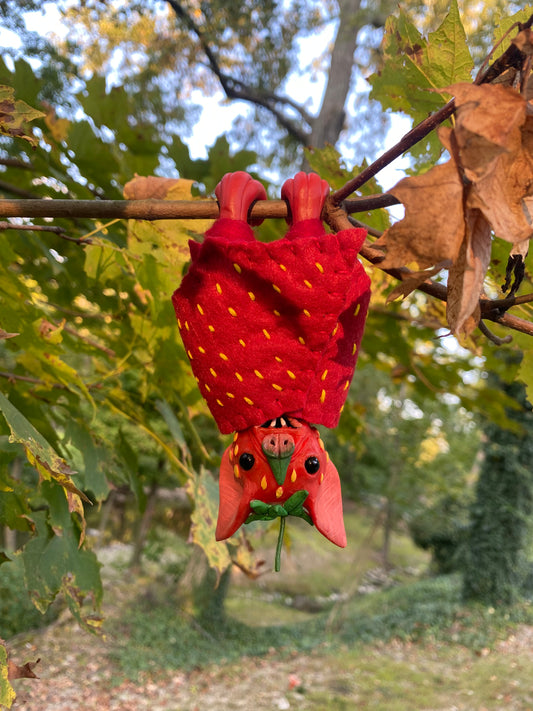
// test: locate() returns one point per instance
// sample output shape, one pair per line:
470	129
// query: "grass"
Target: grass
412	646
262	615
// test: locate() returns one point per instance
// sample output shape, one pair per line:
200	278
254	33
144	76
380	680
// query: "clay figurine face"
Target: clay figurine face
277	469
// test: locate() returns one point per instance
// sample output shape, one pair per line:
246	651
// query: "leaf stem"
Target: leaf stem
279	545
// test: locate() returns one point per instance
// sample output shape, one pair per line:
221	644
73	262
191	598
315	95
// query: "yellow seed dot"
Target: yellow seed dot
259	374
179	323
236	450
276	288
357	309
319	267
187	325
219	288
302	341
232	311
264	483
354	349
278	359
291	375
201	349
293	476
197	379
347	385
247	400
266	333
236	472
277	387
243	344
238	376
306	312
279	492
324	375
335	330
322	396
200	309
276	312
220	403
235	436
341	408
190	355
237	268
321	444
283	267
211	328
206	386
251	295
213	373
231	395
308	284
223	356
321	478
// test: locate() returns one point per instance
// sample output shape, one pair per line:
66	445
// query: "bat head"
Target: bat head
280	468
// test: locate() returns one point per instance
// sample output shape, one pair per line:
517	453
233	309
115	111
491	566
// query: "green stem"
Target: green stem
277	564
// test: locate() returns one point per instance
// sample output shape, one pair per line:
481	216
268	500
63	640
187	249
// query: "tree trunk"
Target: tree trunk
329	122
201	593
144	526
388	525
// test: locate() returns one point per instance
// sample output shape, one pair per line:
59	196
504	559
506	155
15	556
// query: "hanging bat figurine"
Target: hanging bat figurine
272	331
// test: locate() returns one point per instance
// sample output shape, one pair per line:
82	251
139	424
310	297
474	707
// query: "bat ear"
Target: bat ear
326	509
230	493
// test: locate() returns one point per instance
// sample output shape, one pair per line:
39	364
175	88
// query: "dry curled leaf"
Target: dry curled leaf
486	187
433	227
24	671
493	139
409	285
465	278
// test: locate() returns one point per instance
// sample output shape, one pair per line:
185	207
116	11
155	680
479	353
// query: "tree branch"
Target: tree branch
512	57
159	209
236	89
415	135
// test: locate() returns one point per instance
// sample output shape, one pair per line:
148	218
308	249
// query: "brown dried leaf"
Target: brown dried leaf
465	278
488	122
150	187
5	334
433	227
25	671
494	142
524	41
407	286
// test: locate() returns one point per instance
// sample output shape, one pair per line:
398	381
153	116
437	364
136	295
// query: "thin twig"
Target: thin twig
411	138
29	379
492	336
32	228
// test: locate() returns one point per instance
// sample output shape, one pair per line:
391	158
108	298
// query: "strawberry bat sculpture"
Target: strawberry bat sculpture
272	331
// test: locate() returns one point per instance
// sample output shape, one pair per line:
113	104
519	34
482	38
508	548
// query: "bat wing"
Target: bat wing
326	507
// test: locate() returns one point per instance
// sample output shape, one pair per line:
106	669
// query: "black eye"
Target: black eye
312	465
246	461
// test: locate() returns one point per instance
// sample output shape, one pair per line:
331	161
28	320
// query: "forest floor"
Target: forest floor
427	672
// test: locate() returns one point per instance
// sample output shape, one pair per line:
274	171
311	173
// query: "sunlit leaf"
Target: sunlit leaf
203	491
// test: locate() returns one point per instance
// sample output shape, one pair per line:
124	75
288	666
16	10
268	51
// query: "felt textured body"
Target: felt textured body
273	328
